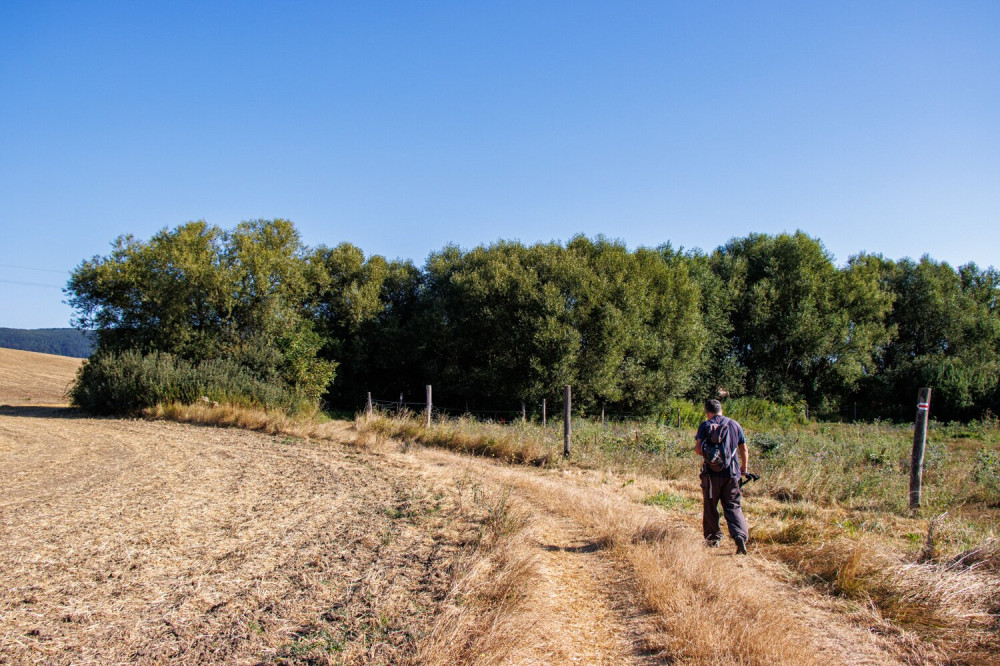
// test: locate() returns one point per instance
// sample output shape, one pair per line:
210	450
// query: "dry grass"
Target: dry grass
951	600
950	606
938	602
710	611
425	581
143	542
30	378
487	618
983	558
504	443
950	603
258	420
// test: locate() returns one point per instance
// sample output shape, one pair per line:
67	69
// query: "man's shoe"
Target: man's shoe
711	543
741	546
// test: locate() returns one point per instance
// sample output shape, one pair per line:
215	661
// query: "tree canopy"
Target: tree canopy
765	316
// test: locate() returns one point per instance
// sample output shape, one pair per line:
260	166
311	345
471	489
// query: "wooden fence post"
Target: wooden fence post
602	416
919	441
567	419
543	412
368	407
428	405
524	412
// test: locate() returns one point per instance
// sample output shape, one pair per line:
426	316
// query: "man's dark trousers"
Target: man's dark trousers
726	489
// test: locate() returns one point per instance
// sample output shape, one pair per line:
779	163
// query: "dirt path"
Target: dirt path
576	584
133	541
581	601
582	576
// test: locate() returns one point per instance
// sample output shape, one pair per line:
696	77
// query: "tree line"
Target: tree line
59	341
767	316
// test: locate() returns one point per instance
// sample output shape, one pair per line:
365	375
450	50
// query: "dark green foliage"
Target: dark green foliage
768	321
364	309
58	341
947	326
128	382
801	328
204	296
510	322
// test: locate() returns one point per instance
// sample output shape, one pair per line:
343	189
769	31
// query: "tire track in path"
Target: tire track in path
584	599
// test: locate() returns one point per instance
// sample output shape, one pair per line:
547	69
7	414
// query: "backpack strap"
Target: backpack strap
732	450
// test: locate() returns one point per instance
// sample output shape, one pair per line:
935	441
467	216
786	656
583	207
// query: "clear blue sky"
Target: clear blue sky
404	126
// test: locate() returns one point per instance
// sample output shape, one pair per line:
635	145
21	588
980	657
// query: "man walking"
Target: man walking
723	446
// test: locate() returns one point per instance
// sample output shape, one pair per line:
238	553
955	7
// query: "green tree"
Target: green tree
365	309
172	293
948	337
801	328
201	294
640	324
496	332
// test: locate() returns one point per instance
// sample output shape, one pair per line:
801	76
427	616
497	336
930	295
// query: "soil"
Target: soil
132	541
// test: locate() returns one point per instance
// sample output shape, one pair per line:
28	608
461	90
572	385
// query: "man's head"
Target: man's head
712	408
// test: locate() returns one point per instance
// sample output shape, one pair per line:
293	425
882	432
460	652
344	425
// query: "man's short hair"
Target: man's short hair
713	407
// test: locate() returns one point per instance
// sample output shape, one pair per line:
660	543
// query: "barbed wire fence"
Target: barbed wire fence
623	423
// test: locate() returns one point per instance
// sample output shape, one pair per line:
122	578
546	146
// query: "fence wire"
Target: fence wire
508	415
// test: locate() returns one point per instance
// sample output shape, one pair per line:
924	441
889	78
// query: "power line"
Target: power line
31	284
29	268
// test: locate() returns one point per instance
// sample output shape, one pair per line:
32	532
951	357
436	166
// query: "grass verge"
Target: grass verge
486	616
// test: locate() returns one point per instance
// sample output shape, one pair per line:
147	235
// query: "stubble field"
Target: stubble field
152	541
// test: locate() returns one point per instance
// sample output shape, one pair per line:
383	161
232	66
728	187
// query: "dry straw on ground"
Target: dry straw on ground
29	378
306	542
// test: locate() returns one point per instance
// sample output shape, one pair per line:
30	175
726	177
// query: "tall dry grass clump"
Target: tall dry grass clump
271	422
486	617
505	443
953	605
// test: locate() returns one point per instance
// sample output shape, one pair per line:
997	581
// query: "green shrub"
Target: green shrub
752	412
129	382
757	411
691	414
986	472
769	443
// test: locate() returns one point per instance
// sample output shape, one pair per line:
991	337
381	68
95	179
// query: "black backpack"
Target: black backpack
715	449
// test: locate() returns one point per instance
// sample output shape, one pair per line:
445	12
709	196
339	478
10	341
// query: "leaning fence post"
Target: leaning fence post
543	412
368	407
567	419
428	405
919	441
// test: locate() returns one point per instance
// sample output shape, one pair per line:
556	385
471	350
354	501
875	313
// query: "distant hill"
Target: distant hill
59	341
